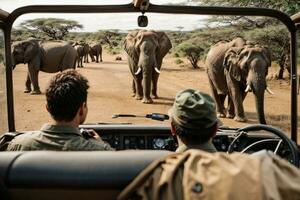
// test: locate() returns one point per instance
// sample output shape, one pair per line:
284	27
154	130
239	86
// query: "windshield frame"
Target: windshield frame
167	9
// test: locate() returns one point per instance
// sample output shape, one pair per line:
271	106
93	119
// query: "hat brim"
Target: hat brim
171	114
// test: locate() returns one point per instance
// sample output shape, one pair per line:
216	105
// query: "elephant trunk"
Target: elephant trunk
13	63
259	91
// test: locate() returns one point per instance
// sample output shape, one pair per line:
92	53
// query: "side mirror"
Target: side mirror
142	21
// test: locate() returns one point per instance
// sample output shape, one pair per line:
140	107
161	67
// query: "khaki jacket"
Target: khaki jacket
199	175
56	138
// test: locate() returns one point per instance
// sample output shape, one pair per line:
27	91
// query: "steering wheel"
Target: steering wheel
282	139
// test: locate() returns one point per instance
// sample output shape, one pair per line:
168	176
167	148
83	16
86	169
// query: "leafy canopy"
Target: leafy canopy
289	7
55	28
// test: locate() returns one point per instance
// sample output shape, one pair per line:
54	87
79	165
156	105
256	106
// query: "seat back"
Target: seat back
70	175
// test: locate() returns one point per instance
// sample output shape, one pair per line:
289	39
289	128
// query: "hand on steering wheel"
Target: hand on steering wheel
282	139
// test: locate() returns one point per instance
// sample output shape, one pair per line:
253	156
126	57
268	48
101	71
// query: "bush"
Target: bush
192	52
178	61
176	55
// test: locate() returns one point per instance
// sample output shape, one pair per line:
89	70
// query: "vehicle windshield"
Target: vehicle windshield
184	65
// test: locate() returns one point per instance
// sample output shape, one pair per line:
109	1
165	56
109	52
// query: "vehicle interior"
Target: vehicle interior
139	136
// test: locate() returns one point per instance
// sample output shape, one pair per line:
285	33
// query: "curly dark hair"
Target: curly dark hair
194	136
66	92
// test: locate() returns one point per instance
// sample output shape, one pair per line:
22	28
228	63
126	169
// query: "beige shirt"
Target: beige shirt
198	175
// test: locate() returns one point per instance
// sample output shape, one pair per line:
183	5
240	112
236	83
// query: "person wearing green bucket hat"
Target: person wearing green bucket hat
194	120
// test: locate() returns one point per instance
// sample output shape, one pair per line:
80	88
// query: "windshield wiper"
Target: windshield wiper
154	116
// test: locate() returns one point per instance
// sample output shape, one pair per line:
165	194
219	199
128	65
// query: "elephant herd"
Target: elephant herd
84	50
51	57
234	68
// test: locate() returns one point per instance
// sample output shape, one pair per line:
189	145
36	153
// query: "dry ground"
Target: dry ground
110	93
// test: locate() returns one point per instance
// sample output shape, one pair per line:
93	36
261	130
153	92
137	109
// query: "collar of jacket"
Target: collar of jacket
207	146
48	128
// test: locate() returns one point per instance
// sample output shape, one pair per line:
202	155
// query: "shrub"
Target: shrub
178	61
192	52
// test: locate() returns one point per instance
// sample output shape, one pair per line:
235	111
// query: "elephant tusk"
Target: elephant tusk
248	89
157	70
138	71
269	91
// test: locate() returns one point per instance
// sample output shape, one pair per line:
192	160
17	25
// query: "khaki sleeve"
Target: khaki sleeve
82	144
280	179
99	145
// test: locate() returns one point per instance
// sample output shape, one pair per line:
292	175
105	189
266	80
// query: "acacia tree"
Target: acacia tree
192	52
289	7
54	28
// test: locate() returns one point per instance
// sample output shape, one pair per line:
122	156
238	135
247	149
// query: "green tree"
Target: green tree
289	7
192	52
54	28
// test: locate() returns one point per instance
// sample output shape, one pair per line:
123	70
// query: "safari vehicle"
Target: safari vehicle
102	175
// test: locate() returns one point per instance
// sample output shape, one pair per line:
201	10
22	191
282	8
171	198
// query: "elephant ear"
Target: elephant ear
164	45
244	58
230	63
129	46
30	50
267	56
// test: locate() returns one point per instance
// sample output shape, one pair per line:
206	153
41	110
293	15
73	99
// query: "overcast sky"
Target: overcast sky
123	21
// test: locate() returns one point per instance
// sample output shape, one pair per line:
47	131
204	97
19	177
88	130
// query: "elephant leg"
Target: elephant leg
154	85
81	62
230	108
133	88
219	102
34	80
147	87
139	88
86	59
237	98
78	62
92	58
100	56
28	84
97	58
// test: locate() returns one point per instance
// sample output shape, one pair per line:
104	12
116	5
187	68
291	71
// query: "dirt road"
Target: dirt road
110	93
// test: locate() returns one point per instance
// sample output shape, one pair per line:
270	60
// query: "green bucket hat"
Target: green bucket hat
194	109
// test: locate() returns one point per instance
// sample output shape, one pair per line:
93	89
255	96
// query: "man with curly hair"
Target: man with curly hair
66	98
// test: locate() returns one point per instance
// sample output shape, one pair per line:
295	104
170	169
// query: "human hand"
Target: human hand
90	133
94	135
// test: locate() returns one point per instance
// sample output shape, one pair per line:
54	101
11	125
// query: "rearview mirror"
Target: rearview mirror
143	21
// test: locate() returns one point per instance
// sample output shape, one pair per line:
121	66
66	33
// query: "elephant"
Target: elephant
86	49
80	55
145	51
246	70
96	50
45	56
215	71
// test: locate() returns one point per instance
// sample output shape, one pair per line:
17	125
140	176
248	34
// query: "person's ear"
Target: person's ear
47	107
216	126
81	109
173	131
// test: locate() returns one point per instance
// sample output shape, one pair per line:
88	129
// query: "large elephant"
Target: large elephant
216	76
246	70
45	56
146	50
96	51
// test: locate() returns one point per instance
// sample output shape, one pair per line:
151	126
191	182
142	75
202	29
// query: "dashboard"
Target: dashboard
124	137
